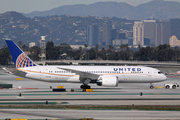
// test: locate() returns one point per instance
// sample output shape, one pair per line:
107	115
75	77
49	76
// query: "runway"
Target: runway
96	114
39	93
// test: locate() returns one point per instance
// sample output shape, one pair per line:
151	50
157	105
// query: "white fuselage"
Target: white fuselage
125	74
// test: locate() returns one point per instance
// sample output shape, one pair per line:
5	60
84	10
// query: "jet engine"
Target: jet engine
108	81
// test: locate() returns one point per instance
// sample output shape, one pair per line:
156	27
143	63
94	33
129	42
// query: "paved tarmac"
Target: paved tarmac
96	114
36	92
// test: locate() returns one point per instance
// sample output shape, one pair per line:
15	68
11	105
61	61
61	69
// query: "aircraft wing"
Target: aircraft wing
82	74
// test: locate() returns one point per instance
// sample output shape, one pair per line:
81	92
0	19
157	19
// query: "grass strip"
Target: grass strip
96	107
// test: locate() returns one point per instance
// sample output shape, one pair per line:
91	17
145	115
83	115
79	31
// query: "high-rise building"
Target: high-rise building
173	41
166	31
122	36
114	34
153	32
93	35
138	33
175	27
157	31
149	30
106	35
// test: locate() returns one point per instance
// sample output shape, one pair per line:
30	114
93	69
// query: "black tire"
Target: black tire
151	87
88	87
72	90
85	87
174	87
167	86
82	86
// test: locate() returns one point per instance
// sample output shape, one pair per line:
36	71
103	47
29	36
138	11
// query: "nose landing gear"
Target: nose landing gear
151	86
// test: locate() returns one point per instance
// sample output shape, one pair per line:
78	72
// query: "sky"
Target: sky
27	6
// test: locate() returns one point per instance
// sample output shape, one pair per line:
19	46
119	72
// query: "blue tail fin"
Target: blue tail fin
20	59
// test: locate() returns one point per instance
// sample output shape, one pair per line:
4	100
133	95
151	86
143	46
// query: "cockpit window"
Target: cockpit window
159	72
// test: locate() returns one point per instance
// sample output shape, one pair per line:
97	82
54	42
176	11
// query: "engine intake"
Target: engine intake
108	81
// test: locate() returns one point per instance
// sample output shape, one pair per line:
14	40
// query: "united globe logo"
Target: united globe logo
24	61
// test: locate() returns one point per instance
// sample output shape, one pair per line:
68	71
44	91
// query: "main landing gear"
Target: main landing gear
85	84
85	87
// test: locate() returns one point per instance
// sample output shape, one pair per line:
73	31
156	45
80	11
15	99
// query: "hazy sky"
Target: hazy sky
27	6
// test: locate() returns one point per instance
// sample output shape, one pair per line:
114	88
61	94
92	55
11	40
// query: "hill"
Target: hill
158	9
60	29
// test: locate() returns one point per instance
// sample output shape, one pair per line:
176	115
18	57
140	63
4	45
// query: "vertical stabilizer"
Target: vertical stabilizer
20	59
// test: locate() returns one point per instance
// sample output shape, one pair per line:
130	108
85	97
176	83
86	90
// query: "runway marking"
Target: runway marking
73	94
2	74
18	119
15	103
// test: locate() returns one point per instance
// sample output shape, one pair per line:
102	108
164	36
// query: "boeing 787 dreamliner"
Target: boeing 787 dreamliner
108	76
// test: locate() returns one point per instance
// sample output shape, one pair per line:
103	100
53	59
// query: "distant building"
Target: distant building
146	41
106	35
42	44
138	33
122	36
166	31
162	32
76	47
125	42
173	41
32	44
130	41
114	34
149	31
118	42
27	52
157	31
93	35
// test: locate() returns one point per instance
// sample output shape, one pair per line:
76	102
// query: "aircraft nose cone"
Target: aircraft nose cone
164	77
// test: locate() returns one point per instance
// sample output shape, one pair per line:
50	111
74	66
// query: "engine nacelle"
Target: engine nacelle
108	81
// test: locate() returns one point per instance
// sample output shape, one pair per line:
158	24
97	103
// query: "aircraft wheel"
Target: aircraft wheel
82	86
167	86
88	87
151	87
72	90
85	87
173	87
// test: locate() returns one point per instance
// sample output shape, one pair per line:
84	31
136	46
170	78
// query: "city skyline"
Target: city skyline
25	6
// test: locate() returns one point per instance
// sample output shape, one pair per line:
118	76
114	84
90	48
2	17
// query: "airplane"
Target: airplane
109	76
